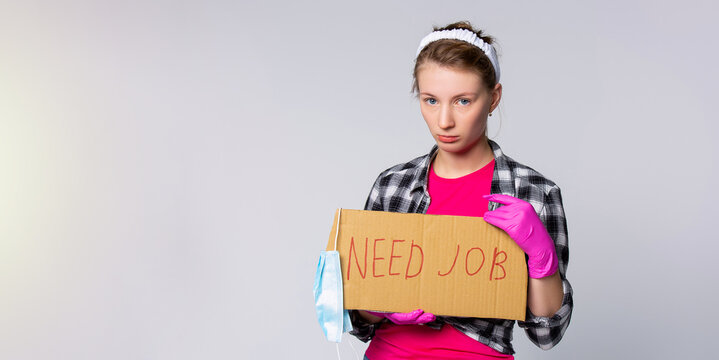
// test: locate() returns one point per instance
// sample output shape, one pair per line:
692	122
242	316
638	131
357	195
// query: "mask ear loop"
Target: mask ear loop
353	349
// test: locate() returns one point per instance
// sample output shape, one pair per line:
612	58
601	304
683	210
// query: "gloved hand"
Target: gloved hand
415	317
519	220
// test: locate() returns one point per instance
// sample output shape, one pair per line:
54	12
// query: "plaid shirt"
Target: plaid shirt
403	188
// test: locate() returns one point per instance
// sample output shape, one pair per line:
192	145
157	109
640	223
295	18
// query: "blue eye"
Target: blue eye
466	102
430	101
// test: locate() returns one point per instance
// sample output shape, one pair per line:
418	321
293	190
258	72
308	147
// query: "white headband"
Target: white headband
464	35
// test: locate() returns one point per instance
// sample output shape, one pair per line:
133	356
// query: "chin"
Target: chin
456	147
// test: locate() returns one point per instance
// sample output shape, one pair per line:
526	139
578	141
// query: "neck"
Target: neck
453	165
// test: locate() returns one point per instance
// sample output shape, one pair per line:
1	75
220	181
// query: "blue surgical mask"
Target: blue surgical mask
333	318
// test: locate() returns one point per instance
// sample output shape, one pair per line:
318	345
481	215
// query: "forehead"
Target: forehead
442	80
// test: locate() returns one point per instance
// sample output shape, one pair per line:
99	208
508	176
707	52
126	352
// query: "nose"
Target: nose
446	120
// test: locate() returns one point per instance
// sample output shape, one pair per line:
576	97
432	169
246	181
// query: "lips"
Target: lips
447	139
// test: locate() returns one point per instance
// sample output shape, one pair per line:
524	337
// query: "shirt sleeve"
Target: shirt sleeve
362	329
545	332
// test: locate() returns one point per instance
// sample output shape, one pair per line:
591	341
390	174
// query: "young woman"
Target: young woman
456	78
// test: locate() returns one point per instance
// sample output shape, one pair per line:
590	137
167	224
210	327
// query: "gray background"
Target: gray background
169	169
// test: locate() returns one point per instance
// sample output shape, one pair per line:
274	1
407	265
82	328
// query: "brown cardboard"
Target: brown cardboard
392	277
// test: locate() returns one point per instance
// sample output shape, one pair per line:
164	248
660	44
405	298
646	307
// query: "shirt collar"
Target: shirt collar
499	161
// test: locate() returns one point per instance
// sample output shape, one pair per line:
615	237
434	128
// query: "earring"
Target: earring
490	114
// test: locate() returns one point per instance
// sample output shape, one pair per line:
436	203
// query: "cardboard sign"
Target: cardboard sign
446	265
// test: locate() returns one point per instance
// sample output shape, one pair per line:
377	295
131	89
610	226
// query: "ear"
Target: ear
496	96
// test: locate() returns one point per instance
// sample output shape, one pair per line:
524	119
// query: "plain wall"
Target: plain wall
169	169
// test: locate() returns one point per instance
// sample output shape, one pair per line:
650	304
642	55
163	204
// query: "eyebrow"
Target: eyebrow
458	95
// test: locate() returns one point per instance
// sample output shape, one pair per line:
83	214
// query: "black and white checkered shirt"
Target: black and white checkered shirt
403	188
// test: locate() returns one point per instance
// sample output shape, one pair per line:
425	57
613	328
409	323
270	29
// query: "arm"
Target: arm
543	237
544	295
548	319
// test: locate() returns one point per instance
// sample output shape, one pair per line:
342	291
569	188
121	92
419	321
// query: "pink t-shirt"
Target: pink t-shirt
461	196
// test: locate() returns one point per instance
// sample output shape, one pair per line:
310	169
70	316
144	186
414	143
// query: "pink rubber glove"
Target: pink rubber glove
519	220
415	317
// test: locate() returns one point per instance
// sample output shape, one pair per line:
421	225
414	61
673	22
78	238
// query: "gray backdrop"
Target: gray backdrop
170	169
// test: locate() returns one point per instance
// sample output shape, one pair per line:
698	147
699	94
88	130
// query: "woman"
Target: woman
456	78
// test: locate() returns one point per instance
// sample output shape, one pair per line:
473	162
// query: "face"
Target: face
455	104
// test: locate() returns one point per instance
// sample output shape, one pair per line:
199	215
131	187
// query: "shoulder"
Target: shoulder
522	181
527	176
405	171
398	188
512	173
